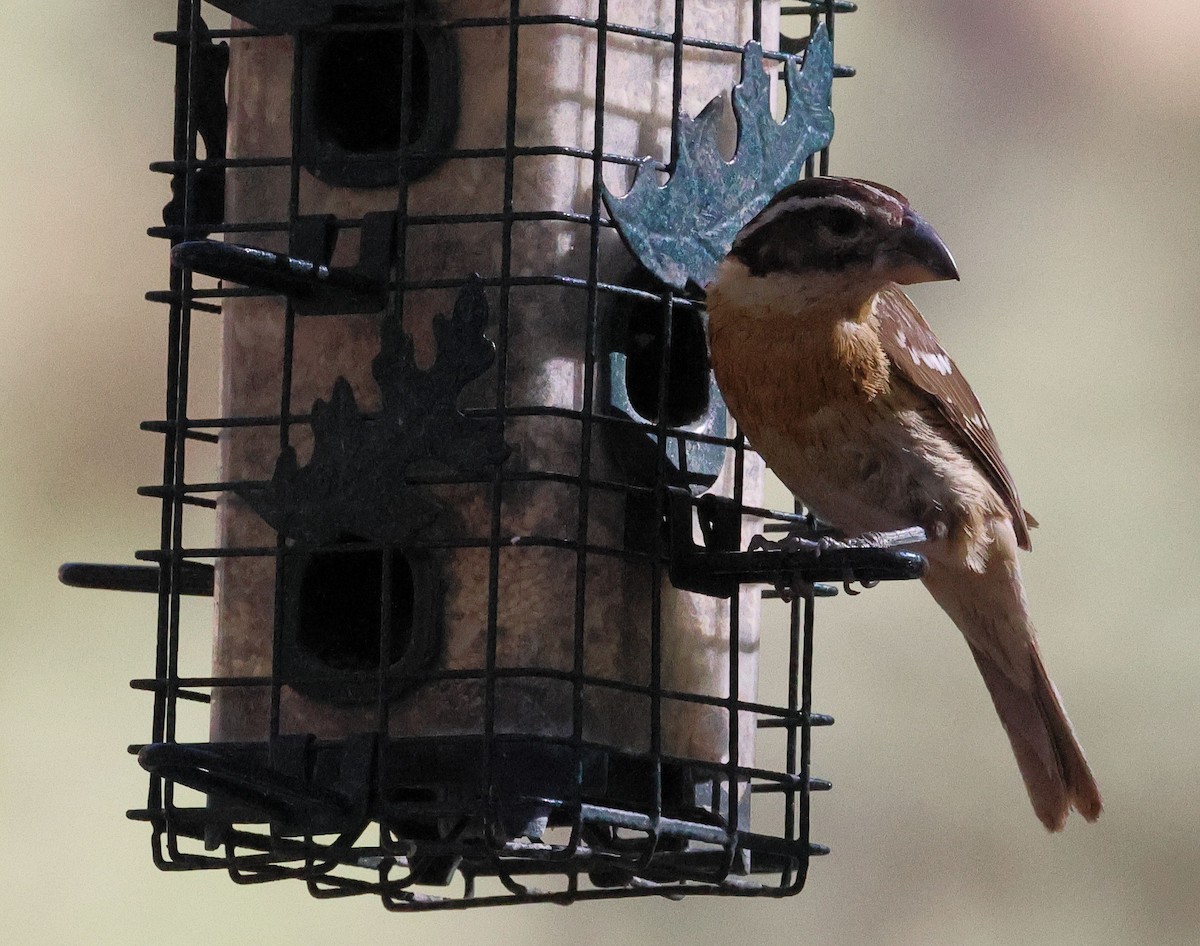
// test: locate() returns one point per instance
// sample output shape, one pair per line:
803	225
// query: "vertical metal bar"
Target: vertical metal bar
285	384
406	73
813	165
585	455
159	794
179	418
660	499
793	704
396	312
386	571
810	163
506	249
178	388
739	474
676	84
829	13
660	552
406	96
809	597
170	431
806	662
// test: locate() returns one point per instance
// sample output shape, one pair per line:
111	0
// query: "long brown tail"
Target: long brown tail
1052	763
990	610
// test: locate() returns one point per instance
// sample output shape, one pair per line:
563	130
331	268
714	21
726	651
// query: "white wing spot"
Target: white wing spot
935	360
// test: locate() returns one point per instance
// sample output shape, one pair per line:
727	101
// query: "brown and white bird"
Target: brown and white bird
842	387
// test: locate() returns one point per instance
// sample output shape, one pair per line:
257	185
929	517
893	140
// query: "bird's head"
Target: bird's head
839	231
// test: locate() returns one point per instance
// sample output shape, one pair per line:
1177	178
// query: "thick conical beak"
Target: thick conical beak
919	255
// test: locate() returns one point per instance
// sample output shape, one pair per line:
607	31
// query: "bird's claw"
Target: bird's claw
798	540
801	539
791	587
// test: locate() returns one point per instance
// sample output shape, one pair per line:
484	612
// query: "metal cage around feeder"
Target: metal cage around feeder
486	616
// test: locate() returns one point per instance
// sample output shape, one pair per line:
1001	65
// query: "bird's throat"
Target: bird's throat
804	352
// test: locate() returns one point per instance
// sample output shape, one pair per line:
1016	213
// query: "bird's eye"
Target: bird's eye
843	222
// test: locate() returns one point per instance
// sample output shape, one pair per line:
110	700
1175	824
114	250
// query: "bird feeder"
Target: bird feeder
486	596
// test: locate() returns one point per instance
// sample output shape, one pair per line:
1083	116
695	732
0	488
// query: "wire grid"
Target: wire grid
260	824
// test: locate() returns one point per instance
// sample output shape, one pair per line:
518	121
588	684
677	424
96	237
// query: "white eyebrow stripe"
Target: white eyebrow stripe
792	204
888	198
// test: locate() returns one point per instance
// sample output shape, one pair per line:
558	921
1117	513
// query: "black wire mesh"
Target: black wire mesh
475	810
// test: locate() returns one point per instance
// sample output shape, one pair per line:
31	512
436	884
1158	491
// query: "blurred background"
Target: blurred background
1053	145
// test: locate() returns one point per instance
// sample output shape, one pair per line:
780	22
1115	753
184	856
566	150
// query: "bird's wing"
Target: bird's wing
920	358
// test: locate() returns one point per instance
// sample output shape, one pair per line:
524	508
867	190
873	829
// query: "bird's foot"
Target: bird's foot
798	540
803	538
806	539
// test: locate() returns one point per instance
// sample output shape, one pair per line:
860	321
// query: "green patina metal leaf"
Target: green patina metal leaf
682	230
